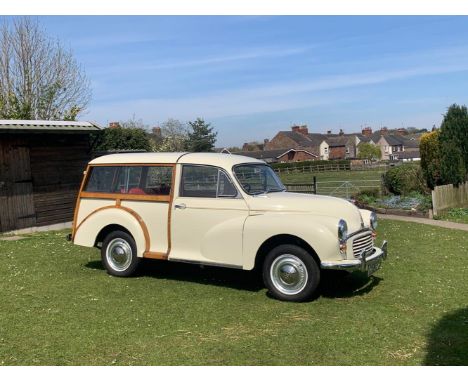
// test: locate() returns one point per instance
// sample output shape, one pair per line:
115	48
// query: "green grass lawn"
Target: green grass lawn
359	181
457	215
59	307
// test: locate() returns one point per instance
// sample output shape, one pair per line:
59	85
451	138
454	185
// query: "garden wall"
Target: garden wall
448	196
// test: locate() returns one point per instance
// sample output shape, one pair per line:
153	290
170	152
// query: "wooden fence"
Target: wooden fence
448	196
339	188
330	167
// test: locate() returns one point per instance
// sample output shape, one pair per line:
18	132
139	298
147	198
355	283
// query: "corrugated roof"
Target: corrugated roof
36	125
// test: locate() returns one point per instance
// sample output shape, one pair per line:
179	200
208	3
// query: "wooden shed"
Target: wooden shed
41	166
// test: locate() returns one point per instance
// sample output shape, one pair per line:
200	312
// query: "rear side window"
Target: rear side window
206	182
136	180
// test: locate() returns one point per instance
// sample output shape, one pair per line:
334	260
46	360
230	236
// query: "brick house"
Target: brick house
300	138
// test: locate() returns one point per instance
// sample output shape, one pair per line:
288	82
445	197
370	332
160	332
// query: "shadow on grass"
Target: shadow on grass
167	270
448	340
341	284
334	284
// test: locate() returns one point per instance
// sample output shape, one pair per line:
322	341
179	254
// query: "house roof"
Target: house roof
408	154
261	154
337	141
46	126
308	150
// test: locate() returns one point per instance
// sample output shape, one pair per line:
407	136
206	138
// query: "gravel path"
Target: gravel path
438	223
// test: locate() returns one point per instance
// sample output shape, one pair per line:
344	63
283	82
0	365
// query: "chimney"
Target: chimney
367	131
341	132
157	131
114	125
384	131
303	130
401	131
295	128
329	132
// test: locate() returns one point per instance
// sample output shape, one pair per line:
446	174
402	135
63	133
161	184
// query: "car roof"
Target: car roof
215	159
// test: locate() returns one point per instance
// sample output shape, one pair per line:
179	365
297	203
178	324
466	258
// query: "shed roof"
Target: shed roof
46	126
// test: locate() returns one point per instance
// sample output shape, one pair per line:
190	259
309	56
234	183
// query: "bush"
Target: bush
453	139
404	179
430	158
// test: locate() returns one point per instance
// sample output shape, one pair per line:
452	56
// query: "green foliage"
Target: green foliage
369	151
429	148
454	145
453	170
202	138
121	138
403	179
315	163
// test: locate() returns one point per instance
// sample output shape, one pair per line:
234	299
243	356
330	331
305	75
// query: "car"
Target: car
221	210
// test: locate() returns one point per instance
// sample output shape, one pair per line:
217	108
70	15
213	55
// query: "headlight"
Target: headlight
373	221
342	230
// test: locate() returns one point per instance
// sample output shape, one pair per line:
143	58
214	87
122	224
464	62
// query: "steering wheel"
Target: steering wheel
247	187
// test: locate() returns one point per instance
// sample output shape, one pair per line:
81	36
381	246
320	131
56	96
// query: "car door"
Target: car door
207	217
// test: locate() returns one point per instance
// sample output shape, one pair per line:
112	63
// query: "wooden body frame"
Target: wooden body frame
118	200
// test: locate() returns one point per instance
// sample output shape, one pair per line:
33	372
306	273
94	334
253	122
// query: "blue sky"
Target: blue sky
253	76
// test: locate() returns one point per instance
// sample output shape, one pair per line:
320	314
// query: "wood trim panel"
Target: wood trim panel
104	195
77	204
169	215
130	211
155	255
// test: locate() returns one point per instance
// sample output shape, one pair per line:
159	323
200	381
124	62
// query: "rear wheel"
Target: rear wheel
119	254
290	273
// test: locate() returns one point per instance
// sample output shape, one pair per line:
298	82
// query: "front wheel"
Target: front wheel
290	273
119	254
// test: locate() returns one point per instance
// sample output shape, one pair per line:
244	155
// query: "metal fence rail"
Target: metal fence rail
330	167
339	188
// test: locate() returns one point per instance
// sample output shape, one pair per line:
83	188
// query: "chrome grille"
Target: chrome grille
361	243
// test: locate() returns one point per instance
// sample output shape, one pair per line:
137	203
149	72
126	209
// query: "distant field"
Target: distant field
358	180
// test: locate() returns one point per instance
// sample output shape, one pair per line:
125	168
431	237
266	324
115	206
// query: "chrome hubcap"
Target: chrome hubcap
119	254
289	274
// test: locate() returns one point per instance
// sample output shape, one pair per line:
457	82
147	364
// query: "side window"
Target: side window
136	180
205	182
101	179
225	186
159	180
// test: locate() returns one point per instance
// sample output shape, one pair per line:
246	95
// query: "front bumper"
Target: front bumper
367	261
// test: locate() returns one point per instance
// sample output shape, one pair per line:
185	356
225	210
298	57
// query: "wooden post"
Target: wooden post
315	185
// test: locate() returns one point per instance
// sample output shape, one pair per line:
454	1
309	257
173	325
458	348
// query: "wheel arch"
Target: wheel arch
96	225
107	230
281	239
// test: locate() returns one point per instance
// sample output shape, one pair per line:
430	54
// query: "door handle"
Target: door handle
181	206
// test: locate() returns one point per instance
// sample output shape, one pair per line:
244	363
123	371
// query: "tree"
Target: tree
454	145
429	148
369	151
129	135
452	167
174	136
202	138
39	78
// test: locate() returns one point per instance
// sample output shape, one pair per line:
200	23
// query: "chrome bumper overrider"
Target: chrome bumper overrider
367	260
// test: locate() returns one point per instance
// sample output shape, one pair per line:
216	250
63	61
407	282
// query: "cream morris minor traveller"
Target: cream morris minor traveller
222	210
